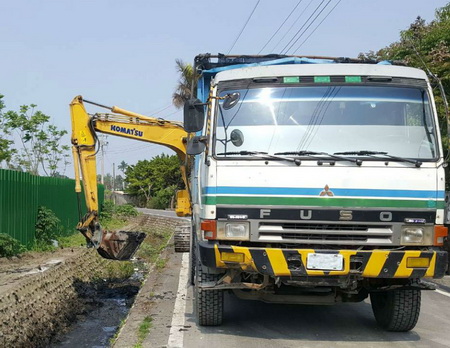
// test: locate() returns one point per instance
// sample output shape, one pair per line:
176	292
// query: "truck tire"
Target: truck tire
396	310
192	259
182	238
208	303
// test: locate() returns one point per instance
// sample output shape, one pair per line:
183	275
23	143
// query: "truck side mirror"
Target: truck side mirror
194	115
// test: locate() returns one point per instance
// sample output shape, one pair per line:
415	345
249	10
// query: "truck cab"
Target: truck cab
320	181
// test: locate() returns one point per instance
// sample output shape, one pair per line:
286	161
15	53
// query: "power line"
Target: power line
242	30
159	110
312	22
285	49
317	26
292	25
276	32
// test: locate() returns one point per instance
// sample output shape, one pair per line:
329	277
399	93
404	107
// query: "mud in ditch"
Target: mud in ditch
105	304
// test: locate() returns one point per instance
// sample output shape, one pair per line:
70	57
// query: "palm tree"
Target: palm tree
186	84
122	166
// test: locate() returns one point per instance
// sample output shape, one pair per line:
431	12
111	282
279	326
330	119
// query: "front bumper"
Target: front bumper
292	262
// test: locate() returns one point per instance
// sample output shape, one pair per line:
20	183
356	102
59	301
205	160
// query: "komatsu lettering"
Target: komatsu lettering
125	130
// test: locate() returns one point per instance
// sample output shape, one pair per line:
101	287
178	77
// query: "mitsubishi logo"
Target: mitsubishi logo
326	192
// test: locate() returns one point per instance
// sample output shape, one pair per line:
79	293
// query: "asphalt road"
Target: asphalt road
256	324
169	213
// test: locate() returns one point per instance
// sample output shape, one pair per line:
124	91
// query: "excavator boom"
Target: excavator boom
117	245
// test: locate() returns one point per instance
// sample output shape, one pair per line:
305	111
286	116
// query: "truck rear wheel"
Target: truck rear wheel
208	304
396	310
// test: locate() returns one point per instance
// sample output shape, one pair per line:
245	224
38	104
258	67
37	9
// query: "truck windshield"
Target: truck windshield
328	119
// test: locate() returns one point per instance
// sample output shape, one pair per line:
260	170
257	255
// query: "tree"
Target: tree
147	178
122	166
426	46
6	151
40	141
186	83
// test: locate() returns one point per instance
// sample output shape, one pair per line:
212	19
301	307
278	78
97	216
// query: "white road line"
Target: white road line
442	292
177	328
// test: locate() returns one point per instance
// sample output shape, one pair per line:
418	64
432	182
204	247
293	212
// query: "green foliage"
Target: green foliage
425	46
154	244
40	141
126	210
48	228
186	83
114	216
123	166
161	263
146	178
143	330
74	240
119	270
6	150
108	209
10	246
164	197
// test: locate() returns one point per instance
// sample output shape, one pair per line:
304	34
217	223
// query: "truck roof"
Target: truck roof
222	67
323	69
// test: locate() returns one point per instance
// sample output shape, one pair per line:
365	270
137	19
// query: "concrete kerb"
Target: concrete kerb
130	325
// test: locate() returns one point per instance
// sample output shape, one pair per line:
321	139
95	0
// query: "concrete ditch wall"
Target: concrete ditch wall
42	303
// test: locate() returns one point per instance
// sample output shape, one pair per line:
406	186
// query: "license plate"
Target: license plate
325	262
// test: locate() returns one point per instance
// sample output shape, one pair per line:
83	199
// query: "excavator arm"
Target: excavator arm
117	245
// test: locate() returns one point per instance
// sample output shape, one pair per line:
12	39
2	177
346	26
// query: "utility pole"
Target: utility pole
114	178
103	143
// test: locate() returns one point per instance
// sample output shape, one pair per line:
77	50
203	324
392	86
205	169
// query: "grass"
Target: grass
143	331
154	244
161	263
74	240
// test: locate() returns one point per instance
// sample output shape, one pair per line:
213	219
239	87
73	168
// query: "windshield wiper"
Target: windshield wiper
373	154
243	153
315	153
263	155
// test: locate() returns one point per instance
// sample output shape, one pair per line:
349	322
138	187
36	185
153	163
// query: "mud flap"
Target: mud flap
120	245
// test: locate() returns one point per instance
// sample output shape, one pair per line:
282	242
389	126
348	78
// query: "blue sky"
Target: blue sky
123	52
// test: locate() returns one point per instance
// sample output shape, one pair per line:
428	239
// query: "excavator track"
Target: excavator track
182	238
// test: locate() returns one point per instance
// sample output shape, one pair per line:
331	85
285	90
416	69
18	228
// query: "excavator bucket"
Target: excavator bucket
120	245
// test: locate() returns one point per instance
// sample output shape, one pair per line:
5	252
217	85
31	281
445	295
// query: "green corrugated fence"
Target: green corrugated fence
21	194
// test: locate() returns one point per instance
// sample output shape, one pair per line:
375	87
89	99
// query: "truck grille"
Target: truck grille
310	233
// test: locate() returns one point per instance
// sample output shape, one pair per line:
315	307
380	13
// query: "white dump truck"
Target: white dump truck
316	181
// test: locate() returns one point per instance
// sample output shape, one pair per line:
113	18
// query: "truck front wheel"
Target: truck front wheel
208	304
396	310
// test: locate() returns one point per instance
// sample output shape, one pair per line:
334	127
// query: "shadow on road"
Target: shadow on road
345	322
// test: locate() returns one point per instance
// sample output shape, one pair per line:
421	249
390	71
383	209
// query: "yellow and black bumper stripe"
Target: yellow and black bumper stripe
292	262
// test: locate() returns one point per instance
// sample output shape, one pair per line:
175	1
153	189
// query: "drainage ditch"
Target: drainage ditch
75	297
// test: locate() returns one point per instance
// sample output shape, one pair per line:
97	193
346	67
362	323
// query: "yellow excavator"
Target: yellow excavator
118	245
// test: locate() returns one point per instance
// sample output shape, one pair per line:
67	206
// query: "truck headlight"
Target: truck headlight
416	235
233	230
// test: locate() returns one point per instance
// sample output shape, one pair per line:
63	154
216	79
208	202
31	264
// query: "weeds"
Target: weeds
75	240
119	270
10	246
47	229
161	263
143	330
